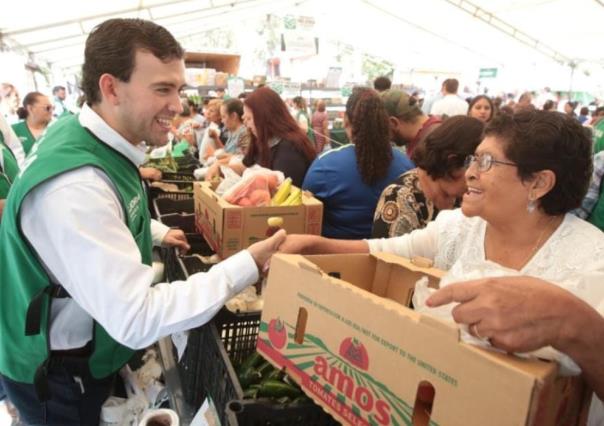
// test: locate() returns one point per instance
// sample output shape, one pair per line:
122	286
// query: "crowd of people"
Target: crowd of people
510	190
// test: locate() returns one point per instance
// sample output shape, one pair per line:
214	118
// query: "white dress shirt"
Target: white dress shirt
12	141
76	224
449	105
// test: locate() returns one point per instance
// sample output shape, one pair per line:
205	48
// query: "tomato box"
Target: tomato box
340	326
229	228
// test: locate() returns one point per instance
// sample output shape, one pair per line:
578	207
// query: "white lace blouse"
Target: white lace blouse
573	258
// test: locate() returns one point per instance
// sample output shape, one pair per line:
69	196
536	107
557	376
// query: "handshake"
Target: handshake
263	250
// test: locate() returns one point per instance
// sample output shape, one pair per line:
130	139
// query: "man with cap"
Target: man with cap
408	124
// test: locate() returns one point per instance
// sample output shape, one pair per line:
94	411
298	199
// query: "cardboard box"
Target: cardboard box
338	325
229	228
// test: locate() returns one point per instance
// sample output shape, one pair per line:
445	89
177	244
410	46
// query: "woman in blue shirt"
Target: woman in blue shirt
350	179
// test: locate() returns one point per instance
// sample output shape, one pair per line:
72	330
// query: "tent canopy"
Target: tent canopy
534	35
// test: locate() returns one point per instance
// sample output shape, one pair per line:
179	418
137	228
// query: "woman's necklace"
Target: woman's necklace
538	243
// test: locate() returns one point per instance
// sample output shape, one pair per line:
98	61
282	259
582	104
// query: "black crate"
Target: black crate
180	268
163	206
180	176
175	269
224	343
185	191
186	222
267	413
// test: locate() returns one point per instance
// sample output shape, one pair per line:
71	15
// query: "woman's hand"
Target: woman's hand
213	172
297	243
213	134
262	251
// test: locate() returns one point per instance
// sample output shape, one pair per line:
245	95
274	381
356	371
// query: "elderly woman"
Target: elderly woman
417	196
529	171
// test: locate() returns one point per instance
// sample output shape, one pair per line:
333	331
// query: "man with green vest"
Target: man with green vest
76	237
9	166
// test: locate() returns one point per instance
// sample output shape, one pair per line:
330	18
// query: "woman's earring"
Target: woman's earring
531	206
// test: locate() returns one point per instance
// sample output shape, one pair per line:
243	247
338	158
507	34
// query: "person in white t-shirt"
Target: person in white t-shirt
450	104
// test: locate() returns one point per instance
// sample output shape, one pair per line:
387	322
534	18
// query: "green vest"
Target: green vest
65	146
597	214
309	132
599	136
8	168
25	135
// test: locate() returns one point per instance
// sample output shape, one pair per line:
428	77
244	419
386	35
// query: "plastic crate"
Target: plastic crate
225	342
185	193
180	268
265	413
180	176
176	270
186	222
163	206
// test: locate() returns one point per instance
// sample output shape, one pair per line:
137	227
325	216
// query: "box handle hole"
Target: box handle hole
301	325
424	400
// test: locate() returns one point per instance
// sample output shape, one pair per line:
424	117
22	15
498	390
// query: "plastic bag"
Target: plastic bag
231	178
254	189
460	273
208	145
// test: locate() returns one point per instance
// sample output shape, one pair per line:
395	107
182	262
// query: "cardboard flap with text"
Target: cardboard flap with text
338	325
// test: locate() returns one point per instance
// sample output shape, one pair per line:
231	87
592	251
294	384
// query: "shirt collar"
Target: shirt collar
99	127
273	141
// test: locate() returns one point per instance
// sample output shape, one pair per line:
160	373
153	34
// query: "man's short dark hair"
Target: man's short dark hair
57	89
111	48
546	140
382	83
451	85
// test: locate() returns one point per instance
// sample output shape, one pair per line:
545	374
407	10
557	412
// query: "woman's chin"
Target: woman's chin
468	211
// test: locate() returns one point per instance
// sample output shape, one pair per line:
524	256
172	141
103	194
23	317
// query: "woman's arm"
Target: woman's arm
315	244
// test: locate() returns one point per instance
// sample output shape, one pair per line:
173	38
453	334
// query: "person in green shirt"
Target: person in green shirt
8	171
35	115
598	136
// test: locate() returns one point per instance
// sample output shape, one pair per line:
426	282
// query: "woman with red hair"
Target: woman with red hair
276	142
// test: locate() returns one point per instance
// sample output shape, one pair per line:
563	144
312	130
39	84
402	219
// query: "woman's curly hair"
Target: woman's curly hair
370	134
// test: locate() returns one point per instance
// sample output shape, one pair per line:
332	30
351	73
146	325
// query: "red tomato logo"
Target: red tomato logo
352	350
277	333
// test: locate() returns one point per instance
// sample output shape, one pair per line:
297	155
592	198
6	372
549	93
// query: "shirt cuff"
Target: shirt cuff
158	232
241	269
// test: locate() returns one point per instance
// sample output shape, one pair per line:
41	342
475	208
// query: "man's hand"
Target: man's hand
176	238
263	250
518	314
149	173
296	244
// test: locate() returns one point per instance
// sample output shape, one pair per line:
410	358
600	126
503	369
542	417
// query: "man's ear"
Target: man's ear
393	121
108	85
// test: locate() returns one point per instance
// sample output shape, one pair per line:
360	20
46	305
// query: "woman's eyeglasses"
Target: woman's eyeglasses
484	162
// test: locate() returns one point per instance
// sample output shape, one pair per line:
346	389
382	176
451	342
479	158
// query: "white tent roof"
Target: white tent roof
532	36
